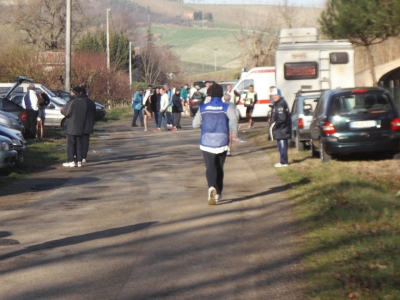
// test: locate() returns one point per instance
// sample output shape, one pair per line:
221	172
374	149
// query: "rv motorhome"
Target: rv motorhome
305	63
261	78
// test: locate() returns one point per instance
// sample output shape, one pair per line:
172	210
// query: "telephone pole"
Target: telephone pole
108	38
67	82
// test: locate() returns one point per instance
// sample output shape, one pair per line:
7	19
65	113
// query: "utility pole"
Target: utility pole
215	59
130	65
108	38
68	48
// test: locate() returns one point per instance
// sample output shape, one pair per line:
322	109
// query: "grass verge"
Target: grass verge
116	114
350	218
38	155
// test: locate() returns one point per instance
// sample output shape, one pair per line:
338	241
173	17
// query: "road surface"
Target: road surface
134	223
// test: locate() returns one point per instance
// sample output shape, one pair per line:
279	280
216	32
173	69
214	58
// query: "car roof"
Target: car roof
342	90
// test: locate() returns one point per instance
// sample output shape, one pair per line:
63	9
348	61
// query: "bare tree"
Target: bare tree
43	21
289	14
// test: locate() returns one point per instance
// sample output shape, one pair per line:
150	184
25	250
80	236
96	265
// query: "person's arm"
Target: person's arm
197	120
255	98
67	111
231	113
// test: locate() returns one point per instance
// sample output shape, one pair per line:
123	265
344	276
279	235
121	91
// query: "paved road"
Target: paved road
134	224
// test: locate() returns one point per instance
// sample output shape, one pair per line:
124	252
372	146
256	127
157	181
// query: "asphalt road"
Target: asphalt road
134	223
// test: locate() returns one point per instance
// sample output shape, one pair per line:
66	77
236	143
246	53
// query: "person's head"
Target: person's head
227	97
141	91
166	87
271	88
186	86
31	87
215	91
76	90
177	91
275	94
251	88
157	90
197	88
162	91
229	88
207	84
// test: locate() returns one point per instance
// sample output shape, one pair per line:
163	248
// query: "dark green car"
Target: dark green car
355	120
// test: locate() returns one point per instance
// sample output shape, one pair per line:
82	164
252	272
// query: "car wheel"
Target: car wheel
314	152
299	144
323	155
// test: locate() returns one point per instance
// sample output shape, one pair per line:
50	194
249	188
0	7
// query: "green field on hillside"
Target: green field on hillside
195	46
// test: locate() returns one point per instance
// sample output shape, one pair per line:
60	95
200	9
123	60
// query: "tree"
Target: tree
44	21
363	22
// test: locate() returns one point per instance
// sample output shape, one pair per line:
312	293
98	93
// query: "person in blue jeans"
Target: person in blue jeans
281	127
137	107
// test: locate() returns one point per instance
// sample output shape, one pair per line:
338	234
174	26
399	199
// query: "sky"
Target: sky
308	3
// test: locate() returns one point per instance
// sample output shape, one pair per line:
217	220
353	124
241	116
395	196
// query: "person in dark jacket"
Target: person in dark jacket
89	124
281	127
177	108
155	104
75	113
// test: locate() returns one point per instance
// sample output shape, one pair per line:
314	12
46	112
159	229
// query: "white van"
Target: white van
261	78
305	63
23	88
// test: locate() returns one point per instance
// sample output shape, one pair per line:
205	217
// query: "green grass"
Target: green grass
38	155
115	114
350	221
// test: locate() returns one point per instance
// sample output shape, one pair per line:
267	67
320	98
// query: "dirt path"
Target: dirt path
134	224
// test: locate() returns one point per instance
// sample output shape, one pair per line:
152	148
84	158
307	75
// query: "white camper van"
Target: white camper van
305	63
261	78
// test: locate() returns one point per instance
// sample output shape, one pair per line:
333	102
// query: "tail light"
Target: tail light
23	116
300	123
359	91
191	102
395	124
328	128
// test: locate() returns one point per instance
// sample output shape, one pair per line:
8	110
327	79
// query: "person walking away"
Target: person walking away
281	127
147	108
250	99
43	101
155	104
164	103
75	113
234	95
137	107
177	108
227	99
168	110
31	106
89	124
214	118
185	97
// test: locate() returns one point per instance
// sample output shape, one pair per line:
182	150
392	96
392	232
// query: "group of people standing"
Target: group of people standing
79	115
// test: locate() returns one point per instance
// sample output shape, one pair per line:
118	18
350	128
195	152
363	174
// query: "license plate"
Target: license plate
363	124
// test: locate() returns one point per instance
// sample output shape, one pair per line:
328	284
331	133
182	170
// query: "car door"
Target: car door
52	115
294	116
318	121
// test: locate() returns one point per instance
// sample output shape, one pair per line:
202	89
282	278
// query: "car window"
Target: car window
351	103
294	107
50	93
309	105
319	110
58	102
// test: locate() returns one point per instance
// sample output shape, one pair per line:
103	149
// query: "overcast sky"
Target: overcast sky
316	3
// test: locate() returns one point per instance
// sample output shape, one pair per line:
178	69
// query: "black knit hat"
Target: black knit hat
215	90
77	90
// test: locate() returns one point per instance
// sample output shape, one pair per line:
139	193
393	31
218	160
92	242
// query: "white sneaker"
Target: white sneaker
212	192
69	164
279	165
83	160
217	198
79	164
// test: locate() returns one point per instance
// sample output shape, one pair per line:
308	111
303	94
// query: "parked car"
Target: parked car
202	85
17	140
301	114
100	109
355	120
8	155
52	110
22	88
194	103
11	121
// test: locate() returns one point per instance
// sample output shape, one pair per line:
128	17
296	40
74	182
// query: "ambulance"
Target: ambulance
261	78
303	62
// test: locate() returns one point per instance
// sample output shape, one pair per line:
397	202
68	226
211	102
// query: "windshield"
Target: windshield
58	102
371	102
50	93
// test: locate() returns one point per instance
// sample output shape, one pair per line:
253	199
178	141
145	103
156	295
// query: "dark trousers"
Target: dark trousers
85	145
136	114
215	169
156	113
74	147
283	151
177	119
31	121
170	118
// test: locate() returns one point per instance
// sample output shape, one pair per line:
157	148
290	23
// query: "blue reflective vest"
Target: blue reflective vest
214	124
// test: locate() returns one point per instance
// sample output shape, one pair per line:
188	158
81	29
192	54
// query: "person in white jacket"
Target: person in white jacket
31	104
164	103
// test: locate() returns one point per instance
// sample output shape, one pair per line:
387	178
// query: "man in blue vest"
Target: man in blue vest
213	118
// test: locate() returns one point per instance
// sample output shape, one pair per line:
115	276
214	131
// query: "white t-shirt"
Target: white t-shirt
164	102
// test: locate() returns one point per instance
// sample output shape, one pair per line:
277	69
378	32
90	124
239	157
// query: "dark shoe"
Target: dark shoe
135	125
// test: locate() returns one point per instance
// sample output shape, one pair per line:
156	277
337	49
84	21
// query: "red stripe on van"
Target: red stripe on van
263	71
263	101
